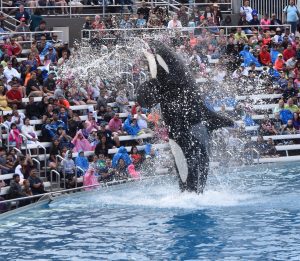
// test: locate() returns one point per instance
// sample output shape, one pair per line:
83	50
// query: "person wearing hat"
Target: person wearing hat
247	10
217	15
278	65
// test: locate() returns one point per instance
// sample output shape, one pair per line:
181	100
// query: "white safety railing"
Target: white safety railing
269	7
30	36
145	33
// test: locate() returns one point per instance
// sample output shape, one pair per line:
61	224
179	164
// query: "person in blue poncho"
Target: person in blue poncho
130	126
122	154
82	162
248	57
274	53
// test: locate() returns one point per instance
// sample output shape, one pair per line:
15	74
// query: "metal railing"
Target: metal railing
73	10
53	171
38	165
58	157
40	146
30	36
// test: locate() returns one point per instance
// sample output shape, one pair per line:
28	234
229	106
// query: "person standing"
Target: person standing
292	15
246	9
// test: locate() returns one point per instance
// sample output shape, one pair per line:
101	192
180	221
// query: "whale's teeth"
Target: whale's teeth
162	63
152	63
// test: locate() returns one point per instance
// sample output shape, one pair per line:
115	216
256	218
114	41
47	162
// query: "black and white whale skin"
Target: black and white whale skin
183	110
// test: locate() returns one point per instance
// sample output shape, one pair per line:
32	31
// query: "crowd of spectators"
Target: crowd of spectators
265	59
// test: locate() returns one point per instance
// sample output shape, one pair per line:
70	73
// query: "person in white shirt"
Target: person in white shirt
18	118
29	132
10	72
142	121
174	23
246	9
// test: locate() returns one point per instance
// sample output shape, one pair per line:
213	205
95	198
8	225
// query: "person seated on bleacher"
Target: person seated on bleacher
32	110
130	126
23	166
289	52
29	132
240	35
36	184
279	62
102	100
270	149
33	87
267	127
291	106
10	72
110	138
142	121
5	169
288	128
18	118
15	190
115	125
14	137
290	91
82	162
103	146
63	138
243	22
90	178
54	151
62	102
22	28
136	157
91	123
41	29
264	55
296	121
48	114
74	124
81	143
282	82
93	138
52	126
108	172
261	145
68	167
277	122
3	99
122	101
49	84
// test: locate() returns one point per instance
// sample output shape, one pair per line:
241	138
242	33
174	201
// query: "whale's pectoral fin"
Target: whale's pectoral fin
147	93
180	160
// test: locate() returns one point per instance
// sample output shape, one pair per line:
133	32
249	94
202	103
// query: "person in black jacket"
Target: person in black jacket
32	109
15	191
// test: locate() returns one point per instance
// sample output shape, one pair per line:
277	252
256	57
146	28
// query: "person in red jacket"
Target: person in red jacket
264	55
289	52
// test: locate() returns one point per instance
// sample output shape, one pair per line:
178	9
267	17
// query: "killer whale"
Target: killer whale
183	110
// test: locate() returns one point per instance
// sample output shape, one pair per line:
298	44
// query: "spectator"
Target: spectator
22	13
288	128
33	87
26	188
15	190
140	22
183	16
103	146
292	15
130	126
264	56
122	101
265	22
22	28
289	52
36	19
296	121
290	91
245	24
240	35
275	21
270	148
41	31
129	4
36	184
90	179
291	106
108	172
246	9
82	162
174	23
126	22
4	167
14	136
279	62
3	99
98	24
277	122
143	10
14	96
254	23
87	26
10	72
121	154
54	151
115	125
81	143
267	127
29	132
69	170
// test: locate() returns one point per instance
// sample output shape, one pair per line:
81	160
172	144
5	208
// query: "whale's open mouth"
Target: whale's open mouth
153	59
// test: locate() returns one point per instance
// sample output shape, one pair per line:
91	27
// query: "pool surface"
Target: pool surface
248	214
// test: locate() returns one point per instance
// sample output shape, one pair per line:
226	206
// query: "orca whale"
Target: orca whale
183	110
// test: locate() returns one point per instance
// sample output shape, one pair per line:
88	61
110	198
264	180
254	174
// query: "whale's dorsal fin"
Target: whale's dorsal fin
180	160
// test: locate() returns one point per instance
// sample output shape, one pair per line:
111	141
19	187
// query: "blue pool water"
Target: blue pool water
246	214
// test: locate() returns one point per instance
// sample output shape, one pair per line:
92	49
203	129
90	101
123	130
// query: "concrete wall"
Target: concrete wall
74	24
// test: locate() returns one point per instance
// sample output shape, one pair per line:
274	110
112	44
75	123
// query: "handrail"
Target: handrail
257	153
144	75
45	156
24	139
7	131
38	164
63	168
82	170
17	150
51	178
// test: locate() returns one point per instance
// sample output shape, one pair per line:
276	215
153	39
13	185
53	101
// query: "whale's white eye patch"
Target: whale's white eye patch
152	63
162	63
